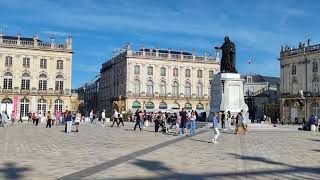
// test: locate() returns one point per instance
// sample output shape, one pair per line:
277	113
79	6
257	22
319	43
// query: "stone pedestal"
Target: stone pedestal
227	93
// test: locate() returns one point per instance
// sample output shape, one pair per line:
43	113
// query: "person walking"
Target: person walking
49	119
223	121
91	116
183	122
243	122
157	122
20	119
77	121
229	121
215	122
193	118
58	117
4	119
29	117
13	118
120	119
68	122
137	117
103	118
115	118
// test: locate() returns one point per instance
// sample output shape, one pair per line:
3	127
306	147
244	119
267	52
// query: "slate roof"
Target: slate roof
21	38
166	51
260	78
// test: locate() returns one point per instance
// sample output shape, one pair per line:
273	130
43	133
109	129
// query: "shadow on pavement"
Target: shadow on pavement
284	172
11	171
198	140
315	140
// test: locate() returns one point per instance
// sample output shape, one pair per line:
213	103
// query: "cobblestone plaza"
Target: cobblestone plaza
29	152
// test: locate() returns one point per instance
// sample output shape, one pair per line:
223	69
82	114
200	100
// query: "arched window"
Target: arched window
163	105
163	71
175	89
6	101
149	87
42	106
175	72
187	89
59	83
7	80
315	66
136	105
199	107
58	104
59	64
8	62
199	89
188	106
150	70
43	82
175	106
136	86
24	107
294	69
136	69
149	105
25	81
163	88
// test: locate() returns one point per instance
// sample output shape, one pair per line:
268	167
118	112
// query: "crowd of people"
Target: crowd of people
313	124
58	118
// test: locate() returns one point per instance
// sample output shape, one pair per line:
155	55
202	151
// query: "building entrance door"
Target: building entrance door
294	115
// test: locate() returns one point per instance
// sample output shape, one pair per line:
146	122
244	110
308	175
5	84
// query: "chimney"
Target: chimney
35	40
69	43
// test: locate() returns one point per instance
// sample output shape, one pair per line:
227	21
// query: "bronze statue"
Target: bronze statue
228	60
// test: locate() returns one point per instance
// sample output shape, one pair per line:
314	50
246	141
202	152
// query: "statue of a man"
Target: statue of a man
228	60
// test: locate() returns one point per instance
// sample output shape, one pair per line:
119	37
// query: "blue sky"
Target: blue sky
99	27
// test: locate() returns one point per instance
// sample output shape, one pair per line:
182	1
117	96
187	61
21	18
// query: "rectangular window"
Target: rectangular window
211	74
136	69
43	63
26	62
199	73
188	73
150	70
59	86
175	72
163	72
43	85
59	64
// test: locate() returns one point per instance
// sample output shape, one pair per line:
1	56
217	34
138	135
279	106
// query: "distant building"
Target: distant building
36	75
89	96
262	95
300	90
157	80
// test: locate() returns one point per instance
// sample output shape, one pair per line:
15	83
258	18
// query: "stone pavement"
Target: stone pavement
29	152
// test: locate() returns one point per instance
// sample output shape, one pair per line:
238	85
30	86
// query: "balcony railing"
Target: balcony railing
170	56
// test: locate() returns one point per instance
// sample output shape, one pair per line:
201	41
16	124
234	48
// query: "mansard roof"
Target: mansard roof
21	38
167	51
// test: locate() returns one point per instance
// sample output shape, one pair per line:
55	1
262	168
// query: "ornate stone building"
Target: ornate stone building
155	79
299	82
35	75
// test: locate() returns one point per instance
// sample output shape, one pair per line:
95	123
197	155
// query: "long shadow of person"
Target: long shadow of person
11	171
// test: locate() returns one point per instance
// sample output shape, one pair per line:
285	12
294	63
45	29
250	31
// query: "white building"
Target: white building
36	76
299	82
155	79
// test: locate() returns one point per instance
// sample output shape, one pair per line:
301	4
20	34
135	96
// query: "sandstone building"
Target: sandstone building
35	75
155	79
300	80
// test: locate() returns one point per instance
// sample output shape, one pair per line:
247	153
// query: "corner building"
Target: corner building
300	80
35	76
155	79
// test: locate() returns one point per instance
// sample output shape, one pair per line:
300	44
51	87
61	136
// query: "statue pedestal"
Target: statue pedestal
227	93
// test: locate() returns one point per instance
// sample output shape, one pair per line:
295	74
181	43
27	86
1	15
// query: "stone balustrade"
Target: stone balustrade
299	51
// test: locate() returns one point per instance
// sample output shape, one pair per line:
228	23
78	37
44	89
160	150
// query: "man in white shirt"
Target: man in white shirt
103	117
115	117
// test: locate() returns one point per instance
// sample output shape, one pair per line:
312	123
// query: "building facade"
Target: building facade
154	79
299	82
35	75
89	96
262	95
